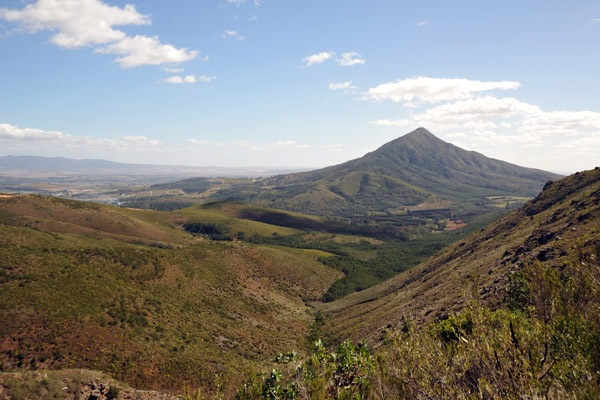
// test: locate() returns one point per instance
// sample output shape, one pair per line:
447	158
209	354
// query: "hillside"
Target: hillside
405	183
135	294
557	226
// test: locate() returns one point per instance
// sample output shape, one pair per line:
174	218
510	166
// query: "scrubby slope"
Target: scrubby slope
562	221
131	293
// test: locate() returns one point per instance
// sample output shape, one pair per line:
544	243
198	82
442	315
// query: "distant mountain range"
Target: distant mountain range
28	165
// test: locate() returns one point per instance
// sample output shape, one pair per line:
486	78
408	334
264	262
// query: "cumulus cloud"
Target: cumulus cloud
85	23
433	90
144	50
341	86
513	130
77	22
490	112
350	58
232	34
179	79
318	58
190	79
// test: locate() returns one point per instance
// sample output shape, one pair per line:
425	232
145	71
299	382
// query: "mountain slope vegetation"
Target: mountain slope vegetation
151	299
134	294
563	221
511	312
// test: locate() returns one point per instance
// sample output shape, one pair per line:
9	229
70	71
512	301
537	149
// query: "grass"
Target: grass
507	202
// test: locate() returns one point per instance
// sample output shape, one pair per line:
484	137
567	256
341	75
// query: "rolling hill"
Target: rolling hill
135	294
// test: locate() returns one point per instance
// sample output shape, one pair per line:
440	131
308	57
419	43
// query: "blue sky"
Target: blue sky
299	83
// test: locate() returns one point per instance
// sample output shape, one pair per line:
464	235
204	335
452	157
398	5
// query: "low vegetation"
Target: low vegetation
545	343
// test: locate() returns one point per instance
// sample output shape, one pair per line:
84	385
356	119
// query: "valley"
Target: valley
193	284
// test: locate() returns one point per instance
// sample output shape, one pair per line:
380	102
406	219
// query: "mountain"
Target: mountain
559	226
416	173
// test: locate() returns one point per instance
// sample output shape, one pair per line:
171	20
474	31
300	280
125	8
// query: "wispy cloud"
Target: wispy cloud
90	23
191	151
29	135
595	20
351	58
318	58
433	90
238	3
341	86
423	23
198	142
232	34
190	79
172	70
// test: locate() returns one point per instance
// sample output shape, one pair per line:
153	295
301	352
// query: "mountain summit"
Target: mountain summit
417	171
422	159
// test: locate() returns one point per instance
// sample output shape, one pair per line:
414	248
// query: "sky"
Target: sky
307	83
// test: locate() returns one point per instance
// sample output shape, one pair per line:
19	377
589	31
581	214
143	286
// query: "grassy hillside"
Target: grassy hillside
132	293
511	312
562	221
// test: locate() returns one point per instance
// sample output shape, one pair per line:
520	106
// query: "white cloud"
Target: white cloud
15	134
423	23
595	20
204	78
490	113
198	142
8	131
290	144
173	70
351	58
318	58
190	79
238	3
514	131
179	79
341	86
144	50
232	34
140	141
78	22
433	90
85	23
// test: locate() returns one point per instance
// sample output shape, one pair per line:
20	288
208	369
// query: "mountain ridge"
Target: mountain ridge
417	169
